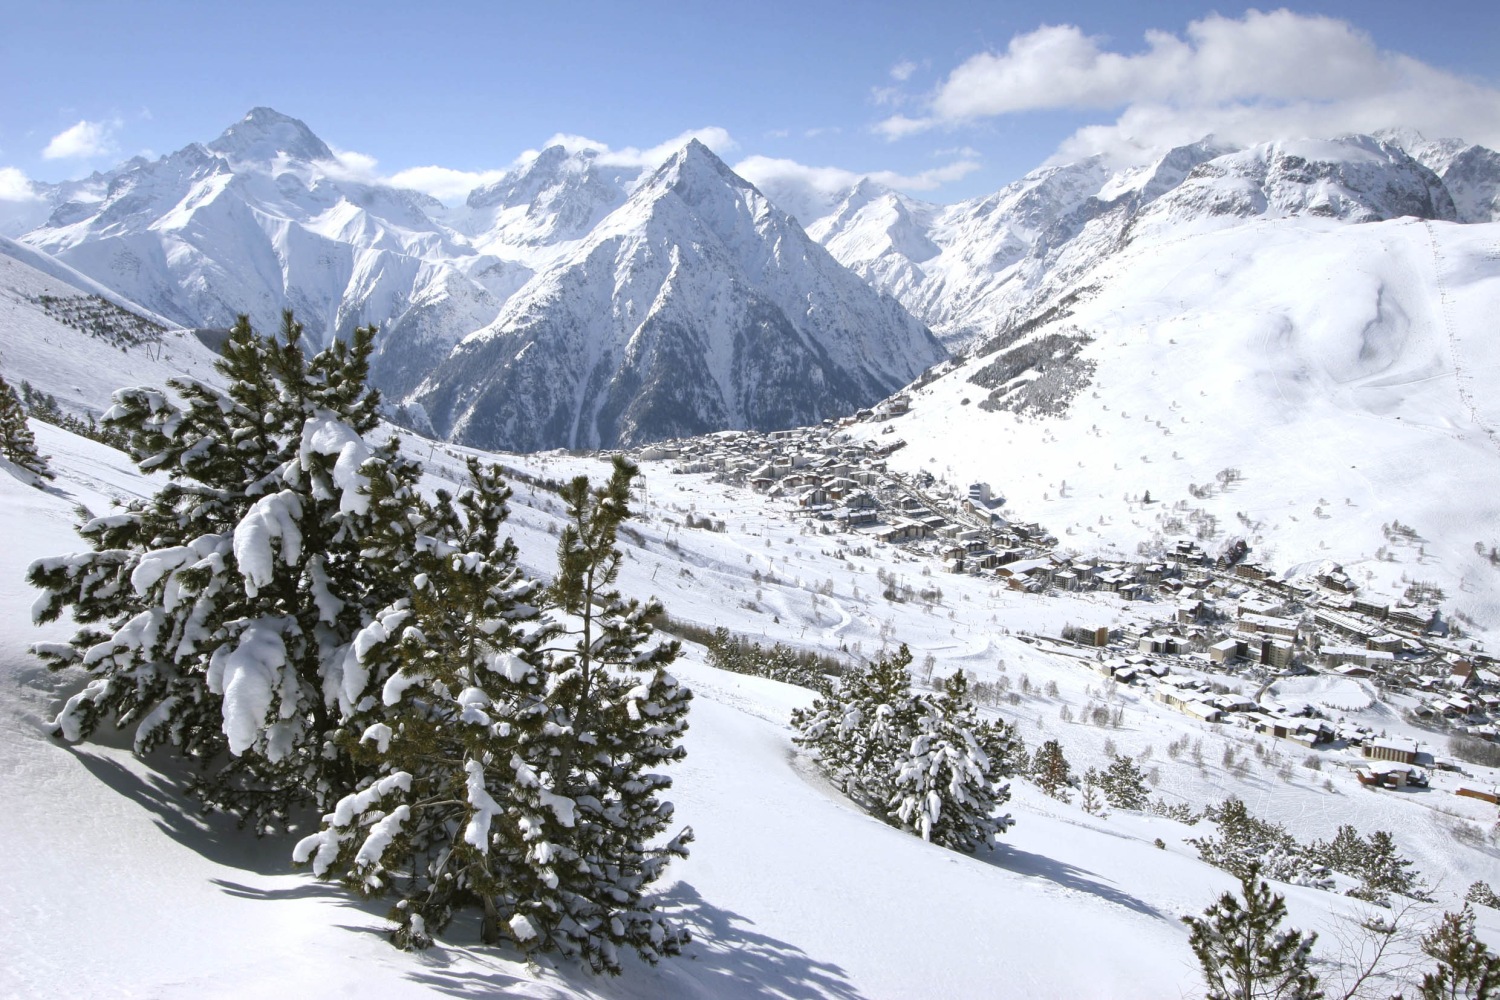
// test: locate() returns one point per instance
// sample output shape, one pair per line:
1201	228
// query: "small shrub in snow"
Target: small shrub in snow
1243	952
923	763
780	662
1246	843
1480	894
17	443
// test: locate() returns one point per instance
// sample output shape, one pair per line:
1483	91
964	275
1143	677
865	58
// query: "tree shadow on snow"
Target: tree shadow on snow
216	837
1068	876
732	960
726	960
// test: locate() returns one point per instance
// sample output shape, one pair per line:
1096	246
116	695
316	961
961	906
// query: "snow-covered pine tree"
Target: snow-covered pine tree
1050	770
1466	968
1245	842
218	615
1124	784
1385	871
1244	954
950	777
462	706
1480	894
509	772
1090	797
860	730
17	443
1374	861
1344	853
617	715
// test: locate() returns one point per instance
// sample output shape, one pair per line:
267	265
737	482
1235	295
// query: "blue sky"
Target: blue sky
945	100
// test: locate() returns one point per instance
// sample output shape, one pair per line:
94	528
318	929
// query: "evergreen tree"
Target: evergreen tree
1375	862
1246	842
1480	894
512	764
949	780
617	715
457	667
1124	784
1385	871
1051	771
17	443
1466	968
1242	951
1344	853
218	616
860	730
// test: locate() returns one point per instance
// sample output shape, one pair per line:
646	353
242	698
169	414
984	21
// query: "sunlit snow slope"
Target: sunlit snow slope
1347	372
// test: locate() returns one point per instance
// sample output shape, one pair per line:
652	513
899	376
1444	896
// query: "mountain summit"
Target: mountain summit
265	134
695	306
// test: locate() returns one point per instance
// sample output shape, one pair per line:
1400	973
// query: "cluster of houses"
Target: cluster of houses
848	487
1230	613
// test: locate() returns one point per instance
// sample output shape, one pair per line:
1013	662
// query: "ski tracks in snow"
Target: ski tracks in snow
1461	378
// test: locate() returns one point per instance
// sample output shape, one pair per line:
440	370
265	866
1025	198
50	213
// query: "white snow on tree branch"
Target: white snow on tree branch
68	721
396	685
381	835
510	665
561	806
380	733
477	833
271	517
326	435
246	677
323	847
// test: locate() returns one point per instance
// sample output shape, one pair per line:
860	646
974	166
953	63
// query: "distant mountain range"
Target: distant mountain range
969	269
594	316
576	303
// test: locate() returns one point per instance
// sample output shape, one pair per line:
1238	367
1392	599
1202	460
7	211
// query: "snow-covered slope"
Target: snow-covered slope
1346	371
108	343
970	268
790	891
694	306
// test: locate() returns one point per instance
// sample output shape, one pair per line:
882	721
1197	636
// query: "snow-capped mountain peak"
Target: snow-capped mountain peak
265	135
696	305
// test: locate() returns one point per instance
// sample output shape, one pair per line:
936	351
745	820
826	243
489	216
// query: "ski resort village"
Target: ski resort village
653	567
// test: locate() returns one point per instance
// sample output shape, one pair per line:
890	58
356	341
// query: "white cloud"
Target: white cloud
717	139
450	185
81	141
359	166
902	71
900	126
443	183
809	192
1263	76
834	179
16	186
